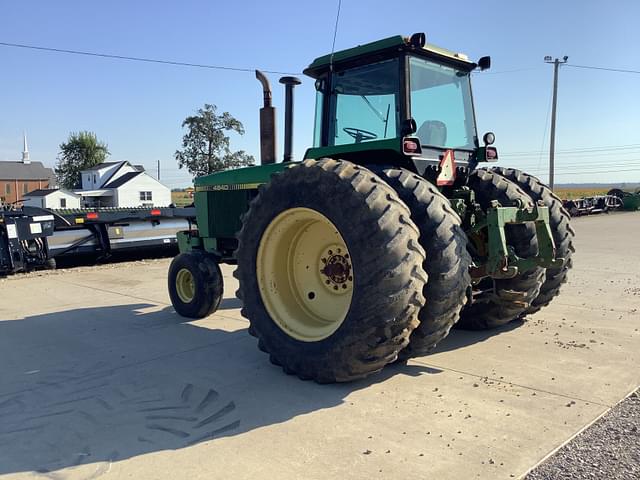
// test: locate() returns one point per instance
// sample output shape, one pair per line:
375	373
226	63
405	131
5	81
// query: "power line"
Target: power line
546	125
139	59
487	72
603	148
601	172
589	67
585	157
583	168
603	68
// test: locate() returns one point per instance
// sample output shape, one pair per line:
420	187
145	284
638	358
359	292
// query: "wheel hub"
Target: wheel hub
185	285
335	267
305	274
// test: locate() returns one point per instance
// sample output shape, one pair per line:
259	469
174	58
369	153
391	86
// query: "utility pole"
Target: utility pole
552	143
158	170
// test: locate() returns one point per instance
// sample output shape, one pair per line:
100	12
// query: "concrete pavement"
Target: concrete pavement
100	378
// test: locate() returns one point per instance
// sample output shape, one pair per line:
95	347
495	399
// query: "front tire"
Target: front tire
195	284
330	271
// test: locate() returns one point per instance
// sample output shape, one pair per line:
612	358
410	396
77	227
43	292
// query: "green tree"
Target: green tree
82	150
205	146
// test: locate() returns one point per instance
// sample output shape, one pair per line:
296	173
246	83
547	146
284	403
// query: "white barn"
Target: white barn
120	184
51	198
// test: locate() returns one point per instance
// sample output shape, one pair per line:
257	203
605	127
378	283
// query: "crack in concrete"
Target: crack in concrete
526	387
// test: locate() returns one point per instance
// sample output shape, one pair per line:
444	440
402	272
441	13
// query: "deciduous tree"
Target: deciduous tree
206	146
82	150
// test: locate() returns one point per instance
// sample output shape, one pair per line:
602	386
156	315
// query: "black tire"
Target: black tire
207	282
447	262
497	302
559	221
616	192
386	260
51	264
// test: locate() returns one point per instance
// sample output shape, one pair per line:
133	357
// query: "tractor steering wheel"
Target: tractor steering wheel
358	134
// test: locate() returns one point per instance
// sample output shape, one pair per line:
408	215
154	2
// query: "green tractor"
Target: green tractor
387	234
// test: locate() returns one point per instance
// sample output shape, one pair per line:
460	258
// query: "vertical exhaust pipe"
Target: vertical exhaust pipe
289	84
267	123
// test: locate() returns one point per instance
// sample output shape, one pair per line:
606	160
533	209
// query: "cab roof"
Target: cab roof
399	43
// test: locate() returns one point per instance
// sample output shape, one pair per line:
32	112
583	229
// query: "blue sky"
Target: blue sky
137	108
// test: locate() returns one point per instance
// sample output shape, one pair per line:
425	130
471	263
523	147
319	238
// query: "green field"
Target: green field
181	199
571	193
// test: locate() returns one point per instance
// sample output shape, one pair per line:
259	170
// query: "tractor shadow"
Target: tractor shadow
83	388
459	338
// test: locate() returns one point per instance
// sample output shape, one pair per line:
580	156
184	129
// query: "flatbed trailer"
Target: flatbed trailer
23	240
44	235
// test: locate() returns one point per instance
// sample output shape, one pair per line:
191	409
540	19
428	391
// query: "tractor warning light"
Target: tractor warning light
410	146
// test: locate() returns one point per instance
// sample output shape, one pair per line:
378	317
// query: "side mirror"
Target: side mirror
484	63
418	40
409	127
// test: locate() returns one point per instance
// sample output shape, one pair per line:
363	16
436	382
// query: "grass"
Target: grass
571	193
181	199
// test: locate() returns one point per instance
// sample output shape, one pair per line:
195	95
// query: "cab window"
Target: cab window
364	103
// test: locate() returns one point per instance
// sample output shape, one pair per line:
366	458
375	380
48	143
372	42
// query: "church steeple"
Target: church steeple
25	151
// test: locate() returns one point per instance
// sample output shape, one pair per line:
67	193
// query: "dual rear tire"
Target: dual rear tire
330	271
561	230
447	260
496	302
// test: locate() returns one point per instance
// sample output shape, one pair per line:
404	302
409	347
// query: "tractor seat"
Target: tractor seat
433	132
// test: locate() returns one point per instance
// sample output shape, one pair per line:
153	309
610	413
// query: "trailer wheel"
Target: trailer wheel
195	284
447	262
497	302
559	221
330	271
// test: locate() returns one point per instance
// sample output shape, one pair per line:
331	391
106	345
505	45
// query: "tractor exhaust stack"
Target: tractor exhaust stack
267	123
289	84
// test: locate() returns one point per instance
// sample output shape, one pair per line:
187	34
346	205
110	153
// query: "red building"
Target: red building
18	178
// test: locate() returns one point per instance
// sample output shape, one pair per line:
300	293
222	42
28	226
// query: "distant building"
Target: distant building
120	184
52	198
19	178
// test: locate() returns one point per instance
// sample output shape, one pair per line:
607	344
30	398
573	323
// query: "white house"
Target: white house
51	198
120	184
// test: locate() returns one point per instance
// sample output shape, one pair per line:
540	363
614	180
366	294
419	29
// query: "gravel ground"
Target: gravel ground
609	449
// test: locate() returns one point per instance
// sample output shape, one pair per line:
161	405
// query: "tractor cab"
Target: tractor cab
397	101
